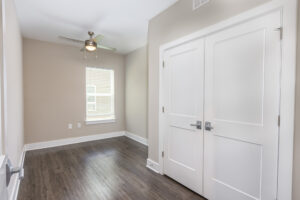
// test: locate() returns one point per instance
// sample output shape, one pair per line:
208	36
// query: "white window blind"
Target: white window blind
99	94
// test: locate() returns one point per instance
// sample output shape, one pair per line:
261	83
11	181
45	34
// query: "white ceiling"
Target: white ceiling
123	23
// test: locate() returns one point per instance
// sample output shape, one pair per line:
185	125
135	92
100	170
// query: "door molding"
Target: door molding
288	10
2	81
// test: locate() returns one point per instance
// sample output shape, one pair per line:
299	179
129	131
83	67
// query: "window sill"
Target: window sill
104	121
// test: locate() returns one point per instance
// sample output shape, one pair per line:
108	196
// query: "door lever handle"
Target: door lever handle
198	125
208	126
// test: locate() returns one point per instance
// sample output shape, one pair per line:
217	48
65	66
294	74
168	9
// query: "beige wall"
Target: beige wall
136	92
14	86
54	90
177	21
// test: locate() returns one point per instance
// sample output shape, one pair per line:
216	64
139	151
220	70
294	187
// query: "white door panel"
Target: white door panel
242	76
183	93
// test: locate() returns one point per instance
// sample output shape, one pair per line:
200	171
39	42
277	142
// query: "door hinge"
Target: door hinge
163	154
163	64
281	32
163	109
278	120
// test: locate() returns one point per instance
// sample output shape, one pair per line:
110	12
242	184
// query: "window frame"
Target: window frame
111	94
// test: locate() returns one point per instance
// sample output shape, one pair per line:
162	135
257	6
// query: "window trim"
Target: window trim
111	94
101	121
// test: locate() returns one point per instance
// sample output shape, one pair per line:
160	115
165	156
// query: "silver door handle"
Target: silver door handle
10	171
208	126
198	125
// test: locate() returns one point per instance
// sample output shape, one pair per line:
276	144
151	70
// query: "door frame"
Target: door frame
288	9
2	81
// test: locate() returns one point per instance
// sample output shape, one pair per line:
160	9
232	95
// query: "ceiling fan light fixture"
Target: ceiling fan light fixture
90	45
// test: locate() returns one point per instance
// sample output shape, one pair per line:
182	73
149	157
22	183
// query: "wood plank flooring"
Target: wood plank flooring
112	169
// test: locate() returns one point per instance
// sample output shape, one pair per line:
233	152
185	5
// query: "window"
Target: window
99	95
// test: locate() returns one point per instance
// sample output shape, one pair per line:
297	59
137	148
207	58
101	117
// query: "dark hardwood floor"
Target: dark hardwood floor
112	169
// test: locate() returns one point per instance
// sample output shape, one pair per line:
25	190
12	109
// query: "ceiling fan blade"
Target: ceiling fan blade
71	39
98	38
99	46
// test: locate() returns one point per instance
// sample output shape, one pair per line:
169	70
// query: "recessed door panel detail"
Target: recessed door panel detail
238	164
239	78
181	92
177	148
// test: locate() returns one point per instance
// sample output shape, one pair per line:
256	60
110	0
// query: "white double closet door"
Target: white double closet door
221	96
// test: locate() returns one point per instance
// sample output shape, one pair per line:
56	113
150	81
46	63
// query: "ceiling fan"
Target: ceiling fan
90	44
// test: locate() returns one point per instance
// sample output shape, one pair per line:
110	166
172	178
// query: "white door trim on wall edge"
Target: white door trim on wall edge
136	138
288	9
16	183
154	166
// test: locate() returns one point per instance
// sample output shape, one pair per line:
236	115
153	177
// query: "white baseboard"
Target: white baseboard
75	140
136	138
154	166
16	184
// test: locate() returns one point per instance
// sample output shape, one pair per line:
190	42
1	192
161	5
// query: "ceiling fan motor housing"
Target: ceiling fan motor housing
90	45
